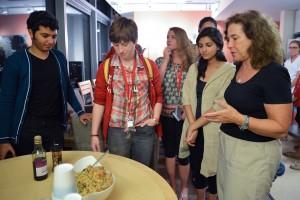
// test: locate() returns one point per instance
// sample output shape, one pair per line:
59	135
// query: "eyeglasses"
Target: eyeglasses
293	47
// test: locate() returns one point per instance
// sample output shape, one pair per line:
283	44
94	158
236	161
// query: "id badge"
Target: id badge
130	128
130	123
135	90
177	113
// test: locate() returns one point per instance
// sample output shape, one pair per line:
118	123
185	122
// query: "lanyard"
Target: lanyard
179	73
128	89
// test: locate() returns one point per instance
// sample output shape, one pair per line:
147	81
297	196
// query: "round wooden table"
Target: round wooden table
134	181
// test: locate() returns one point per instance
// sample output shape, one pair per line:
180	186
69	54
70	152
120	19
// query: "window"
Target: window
103	43
79	39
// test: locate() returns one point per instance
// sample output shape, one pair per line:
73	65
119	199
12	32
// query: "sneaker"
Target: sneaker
295	166
184	194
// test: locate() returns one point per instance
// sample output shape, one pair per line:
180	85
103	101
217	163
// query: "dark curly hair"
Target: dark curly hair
215	35
264	35
41	18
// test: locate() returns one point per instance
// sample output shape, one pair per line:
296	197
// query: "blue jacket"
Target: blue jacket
15	92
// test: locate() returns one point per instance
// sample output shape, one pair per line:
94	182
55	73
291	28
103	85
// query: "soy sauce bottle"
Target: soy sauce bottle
56	155
39	160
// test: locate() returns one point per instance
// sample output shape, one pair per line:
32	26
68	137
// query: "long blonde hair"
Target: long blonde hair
184	47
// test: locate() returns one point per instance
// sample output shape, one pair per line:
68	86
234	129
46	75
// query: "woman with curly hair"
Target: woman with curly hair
257	111
173	66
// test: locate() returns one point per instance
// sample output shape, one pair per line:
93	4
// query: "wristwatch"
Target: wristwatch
245	124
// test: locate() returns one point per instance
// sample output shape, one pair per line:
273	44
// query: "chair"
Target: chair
86	91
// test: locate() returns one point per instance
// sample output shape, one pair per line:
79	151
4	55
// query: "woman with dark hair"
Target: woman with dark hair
204	23
206	82
257	111
173	66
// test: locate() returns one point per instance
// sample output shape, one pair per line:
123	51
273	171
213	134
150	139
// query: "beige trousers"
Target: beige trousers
246	169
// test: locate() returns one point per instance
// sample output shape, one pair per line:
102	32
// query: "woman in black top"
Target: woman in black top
257	110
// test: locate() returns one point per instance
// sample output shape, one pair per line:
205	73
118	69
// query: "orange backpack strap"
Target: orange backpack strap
149	68
107	63
106	68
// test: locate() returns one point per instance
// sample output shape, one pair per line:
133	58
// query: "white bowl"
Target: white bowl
101	195
83	163
73	196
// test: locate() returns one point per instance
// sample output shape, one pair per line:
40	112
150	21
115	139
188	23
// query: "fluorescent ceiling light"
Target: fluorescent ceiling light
122	6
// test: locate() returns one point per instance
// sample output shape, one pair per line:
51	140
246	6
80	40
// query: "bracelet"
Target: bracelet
155	120
245	124
94	135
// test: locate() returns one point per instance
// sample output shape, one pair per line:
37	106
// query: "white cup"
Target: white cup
63	180
73	196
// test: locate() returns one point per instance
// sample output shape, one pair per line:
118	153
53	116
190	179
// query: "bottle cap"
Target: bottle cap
55	146
37	139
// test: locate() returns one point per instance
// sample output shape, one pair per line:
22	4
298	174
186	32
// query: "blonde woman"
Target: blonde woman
173	66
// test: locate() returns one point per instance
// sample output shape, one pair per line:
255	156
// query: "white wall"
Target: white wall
287	26
297	21
153	28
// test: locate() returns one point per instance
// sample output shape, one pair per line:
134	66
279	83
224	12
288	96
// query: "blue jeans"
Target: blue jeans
135	145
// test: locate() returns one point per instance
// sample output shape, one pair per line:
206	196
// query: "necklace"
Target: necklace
244	76
240	75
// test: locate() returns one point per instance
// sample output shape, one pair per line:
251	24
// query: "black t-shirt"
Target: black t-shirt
46	94
271	85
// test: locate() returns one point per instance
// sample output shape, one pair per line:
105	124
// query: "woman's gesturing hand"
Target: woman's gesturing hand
227	115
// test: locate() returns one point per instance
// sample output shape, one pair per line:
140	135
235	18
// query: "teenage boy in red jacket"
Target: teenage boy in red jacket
128	97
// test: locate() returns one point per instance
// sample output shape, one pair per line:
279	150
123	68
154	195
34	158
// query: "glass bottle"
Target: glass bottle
39	160
56	155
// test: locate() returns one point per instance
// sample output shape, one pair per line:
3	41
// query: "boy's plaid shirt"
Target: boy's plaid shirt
140	103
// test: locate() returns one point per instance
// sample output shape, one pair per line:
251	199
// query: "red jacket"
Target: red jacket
103	92
296	93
